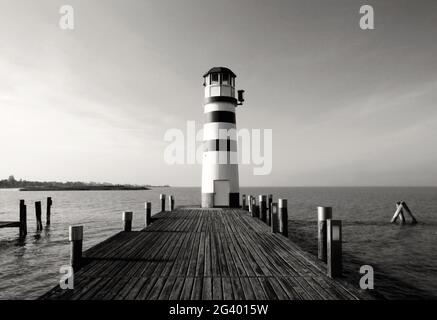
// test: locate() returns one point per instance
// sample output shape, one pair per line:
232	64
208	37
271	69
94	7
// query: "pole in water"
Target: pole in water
76	238
23	219
269	211
407	209
323	214
38	215
162	197
127	221
283	217
399	213
170	203
275	217
49	210
255	211
334	259
148	217
263	207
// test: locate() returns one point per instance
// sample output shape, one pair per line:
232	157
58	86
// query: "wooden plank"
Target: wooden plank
9	224
258	289
227	289
186	289
201	256
237	288
217	291
177	288
207	288
196	293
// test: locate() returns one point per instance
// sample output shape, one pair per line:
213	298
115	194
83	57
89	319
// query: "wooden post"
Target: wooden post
404	204
401	216
127	221
334	261
49	210
38	216
399	213
244	202
76	239
283	217
255	211
250	202
162	197
275	217
170	203
323	214
148	218
263	207
23	219
269	204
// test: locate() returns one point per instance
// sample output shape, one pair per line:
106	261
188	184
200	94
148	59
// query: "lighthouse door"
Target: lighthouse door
221	193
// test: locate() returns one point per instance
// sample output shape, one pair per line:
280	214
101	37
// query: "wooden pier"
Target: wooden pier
202	254
9	224
21	224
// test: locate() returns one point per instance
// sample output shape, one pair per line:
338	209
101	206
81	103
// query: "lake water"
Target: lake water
404	258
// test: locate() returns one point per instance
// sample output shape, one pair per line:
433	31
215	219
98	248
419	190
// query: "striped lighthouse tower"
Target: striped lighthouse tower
220	186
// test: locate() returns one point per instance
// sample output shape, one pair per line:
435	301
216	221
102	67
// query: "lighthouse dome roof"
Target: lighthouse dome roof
220	70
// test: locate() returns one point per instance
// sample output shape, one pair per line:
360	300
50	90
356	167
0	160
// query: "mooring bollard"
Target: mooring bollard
49	210
283	217
162	197
274	217
38	215
170	203
263	207
23	219
269	204
244	202
334	261
323	214
76	239
127	221
148	217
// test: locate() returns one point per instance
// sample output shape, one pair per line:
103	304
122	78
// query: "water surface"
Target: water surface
404	257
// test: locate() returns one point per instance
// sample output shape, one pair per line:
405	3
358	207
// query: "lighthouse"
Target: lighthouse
220	185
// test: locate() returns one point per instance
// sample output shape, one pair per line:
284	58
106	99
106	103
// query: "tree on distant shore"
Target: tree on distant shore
12	183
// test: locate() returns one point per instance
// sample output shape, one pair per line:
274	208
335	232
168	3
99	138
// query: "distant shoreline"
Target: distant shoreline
22	185
97	188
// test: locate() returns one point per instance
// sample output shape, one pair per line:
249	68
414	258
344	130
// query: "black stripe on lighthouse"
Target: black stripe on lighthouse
221	99
221	145
220	116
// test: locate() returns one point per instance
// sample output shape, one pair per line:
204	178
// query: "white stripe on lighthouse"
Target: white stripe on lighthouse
222	106
216	130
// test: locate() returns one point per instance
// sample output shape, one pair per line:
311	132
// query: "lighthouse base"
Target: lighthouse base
208	200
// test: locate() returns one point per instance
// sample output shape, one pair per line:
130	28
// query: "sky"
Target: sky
348	107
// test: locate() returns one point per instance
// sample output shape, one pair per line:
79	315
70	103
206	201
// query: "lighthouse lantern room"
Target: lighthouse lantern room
220	186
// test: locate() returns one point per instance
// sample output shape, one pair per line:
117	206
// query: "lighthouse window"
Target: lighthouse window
214	78
225	79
